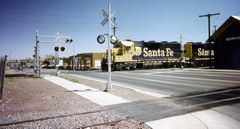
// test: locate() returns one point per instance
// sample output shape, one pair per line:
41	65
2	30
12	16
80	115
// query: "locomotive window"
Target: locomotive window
128	48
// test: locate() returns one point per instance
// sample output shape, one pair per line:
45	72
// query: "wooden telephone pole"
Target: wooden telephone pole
209	35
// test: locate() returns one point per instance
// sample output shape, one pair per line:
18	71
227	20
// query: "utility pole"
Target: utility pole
209	35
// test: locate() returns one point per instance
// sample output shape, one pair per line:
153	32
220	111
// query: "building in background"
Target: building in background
84	61
227	44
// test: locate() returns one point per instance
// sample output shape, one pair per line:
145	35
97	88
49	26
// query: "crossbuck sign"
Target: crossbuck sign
105	20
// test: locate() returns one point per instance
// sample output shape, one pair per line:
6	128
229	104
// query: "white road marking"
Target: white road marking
199	79
124	85
208	74
165	82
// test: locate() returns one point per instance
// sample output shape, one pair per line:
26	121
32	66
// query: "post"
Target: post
209	42
181	52
73	59
37	54
2	74
109	83
58	42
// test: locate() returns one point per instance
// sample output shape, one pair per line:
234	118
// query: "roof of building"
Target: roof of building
224	26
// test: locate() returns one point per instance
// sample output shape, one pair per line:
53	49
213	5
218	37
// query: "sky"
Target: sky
159	20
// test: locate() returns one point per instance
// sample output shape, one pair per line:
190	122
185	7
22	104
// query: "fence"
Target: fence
2	73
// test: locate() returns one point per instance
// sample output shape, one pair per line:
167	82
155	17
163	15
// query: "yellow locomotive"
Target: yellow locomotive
129	55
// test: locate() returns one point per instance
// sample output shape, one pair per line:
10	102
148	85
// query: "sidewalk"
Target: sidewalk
223	117
207	119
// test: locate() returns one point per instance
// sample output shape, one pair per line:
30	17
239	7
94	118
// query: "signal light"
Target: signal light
100	39
68	40
62	48
56	48
113	39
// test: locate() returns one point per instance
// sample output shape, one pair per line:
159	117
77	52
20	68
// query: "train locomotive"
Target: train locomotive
129	55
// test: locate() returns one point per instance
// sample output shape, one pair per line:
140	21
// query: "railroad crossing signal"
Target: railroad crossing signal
107	16
57	48
101	39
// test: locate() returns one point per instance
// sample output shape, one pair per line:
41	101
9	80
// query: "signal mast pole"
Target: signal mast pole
37	62
108	15
109	83
209	35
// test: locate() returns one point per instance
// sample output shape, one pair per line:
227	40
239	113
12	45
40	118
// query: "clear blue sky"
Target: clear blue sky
159	20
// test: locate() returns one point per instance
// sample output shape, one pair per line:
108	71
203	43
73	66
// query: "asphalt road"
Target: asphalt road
168	81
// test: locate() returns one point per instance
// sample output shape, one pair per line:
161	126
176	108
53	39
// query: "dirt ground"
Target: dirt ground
37	103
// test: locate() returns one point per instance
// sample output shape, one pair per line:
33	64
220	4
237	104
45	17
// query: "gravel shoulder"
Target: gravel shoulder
37	103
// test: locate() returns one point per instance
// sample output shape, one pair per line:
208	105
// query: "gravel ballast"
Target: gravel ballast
37	103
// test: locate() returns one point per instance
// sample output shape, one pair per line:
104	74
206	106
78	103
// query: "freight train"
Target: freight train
197	54
130	55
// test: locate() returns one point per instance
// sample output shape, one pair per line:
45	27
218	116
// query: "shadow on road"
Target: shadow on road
154	109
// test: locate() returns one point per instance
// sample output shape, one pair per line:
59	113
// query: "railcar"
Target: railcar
197	54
